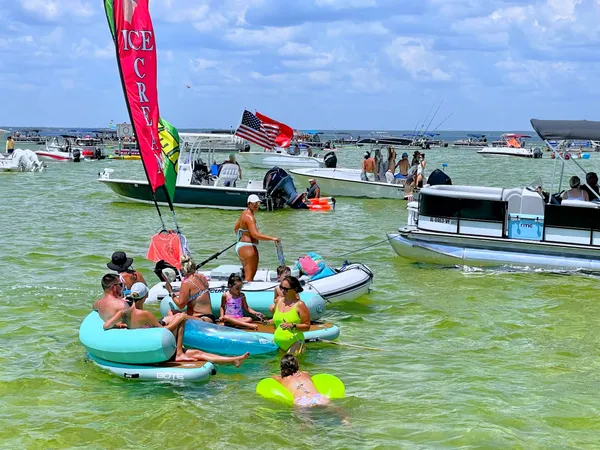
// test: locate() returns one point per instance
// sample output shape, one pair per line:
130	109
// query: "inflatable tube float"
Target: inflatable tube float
346	283
142	346
166	371
328	385
230	341
258	300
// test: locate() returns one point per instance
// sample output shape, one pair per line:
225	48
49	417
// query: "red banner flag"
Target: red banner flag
285	133
136	50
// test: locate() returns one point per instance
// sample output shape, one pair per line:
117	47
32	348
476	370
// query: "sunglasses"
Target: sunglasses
285	289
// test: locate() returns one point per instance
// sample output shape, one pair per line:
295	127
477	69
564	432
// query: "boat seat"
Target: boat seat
255	184
471	192
229	174
580	204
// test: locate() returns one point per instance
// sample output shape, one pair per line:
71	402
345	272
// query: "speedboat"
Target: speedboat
58	148
281	158
202	184
384	138
473	140
512	144
521	227
348	183
21	161
346	283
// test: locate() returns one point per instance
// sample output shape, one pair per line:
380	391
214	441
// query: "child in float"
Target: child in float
282	272
234	305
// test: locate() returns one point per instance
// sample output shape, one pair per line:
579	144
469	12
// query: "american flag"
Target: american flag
253	130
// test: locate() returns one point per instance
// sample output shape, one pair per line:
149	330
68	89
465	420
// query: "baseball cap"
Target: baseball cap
253	199
139	290
169	274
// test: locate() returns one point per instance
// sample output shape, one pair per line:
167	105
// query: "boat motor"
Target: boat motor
330	160
76	155
537	152
280	187
438	177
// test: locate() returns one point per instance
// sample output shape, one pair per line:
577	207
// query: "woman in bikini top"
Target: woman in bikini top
248	237
194	294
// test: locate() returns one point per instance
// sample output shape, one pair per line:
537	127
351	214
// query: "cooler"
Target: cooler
525	226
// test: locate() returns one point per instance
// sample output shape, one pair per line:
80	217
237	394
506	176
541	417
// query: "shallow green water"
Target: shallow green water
472	359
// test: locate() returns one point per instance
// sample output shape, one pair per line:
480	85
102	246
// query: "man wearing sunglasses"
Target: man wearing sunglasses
112	301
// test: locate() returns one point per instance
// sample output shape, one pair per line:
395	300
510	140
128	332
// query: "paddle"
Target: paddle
341	344
215	256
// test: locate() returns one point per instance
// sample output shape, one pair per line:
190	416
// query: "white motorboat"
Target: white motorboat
348	283
58	148
21	161
521	227
348	183
511	144
281	158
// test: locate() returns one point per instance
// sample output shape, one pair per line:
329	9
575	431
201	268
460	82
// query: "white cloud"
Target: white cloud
264	37
201	64
295	49
321	77
56	9
417	58
349	29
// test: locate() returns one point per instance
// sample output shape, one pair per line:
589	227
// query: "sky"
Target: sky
313	64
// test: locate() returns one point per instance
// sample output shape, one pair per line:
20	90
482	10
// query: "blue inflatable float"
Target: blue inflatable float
143	346
166	371
230	341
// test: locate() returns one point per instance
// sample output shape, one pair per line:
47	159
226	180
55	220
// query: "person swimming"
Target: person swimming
299	384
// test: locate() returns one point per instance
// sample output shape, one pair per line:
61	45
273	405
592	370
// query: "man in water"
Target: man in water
368	167
122	265
134	317
10	145
314	191
112	301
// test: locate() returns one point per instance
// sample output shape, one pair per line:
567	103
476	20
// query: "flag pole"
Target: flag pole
115	41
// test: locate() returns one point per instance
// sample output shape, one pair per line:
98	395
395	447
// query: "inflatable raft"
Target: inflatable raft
166	371
139	354
229	341
259	300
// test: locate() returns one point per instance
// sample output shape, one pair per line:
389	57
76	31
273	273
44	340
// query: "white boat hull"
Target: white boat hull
506	151
268	160
347	183
453	250
53	156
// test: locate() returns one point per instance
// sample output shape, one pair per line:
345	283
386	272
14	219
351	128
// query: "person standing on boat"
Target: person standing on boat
368	167
314	191
233	161
248	237
403	166
421	170
391	162
576	193
10	145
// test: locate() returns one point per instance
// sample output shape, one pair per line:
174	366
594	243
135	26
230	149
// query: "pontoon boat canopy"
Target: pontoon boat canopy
476	135
567	129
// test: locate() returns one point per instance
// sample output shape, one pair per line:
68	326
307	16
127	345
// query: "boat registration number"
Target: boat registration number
441	220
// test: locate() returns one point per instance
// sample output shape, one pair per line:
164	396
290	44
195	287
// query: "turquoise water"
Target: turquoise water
469	358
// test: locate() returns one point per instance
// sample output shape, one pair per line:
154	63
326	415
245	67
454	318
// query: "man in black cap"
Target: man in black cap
122	265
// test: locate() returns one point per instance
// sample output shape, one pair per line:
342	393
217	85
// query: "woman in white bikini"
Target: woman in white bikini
248	237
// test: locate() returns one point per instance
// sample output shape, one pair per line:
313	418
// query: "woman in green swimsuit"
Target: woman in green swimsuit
291	317
248	237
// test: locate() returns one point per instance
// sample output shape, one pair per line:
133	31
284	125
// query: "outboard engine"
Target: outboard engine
438	177
537	152
280	187
330	160
76	155
98	153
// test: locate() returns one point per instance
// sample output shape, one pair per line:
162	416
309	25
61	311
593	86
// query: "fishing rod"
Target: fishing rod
426	117
442	122
215	256
433	117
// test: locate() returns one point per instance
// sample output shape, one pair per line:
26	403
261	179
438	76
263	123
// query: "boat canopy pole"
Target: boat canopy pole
562	172
557	155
